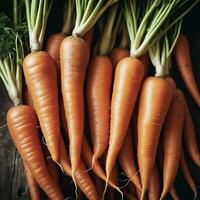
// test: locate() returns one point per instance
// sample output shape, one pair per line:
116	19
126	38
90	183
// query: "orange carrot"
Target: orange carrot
82	178
98	91
172	140
190	138
117	55
127	162
53	48
114	179
85	182
73	68
97	169
154	187
88	37
184	63
186	173
40	74
51	166
154	102
32	184
22	122
128	78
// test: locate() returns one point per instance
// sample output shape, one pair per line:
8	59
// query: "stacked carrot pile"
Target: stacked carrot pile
89	107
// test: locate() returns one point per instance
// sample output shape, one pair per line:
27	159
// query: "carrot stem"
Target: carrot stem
37	12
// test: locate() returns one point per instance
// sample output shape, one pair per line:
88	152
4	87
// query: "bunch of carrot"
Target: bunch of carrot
91	110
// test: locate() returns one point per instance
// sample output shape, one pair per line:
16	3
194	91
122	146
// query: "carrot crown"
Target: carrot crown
68	18
88	12
160	52
12	54
12	33
37	12
147	23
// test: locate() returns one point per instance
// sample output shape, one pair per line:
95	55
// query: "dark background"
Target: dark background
12	180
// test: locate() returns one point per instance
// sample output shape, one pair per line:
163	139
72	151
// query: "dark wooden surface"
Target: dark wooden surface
12	180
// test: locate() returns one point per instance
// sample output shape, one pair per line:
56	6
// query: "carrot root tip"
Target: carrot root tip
143	194
106	186
76	188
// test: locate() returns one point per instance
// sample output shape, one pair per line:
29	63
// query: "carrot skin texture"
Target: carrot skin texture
189	137
85	182
40	74
154	188
127	162
156	95
51	166
32	184
22	122
73	68
128	78
172	140
53	48
184	63
99	80
186	173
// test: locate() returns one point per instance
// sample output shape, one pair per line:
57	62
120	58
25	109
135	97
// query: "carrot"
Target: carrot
97	169
40	74
53	48
186	173
89	36
173	193
154	102
154	187
114	179
73	67
32	183
85	182
118	54
55	40
98	91
189	137
81	176
128	79
184	63
127	162
51	166
22	122
172	140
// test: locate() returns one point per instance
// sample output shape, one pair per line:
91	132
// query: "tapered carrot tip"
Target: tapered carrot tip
162	197
143	194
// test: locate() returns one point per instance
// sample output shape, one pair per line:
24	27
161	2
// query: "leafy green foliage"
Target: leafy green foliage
7	37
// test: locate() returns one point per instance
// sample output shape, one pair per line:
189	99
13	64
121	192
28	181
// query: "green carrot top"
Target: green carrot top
11	58
37	12
146	20
88	12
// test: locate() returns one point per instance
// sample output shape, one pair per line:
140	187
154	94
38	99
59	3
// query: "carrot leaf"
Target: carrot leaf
37	12
88	12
